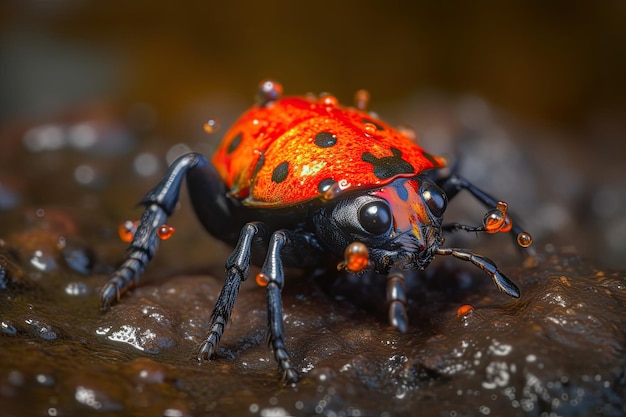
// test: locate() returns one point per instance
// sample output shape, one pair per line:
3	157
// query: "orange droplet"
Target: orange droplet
332	192
126	230
361	99
524	239
212	126
370	129
502	206
493	221
356	257
165	232
262	280
329	100
464	310
496	219
507	226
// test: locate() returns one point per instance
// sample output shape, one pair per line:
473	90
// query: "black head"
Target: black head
400	223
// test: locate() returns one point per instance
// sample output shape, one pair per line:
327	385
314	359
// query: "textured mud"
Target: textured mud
558	350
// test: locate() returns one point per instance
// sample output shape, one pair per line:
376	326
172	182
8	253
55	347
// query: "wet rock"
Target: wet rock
47	241
142	325
558	350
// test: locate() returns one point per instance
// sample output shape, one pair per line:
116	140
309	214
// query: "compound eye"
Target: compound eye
435	199
375	217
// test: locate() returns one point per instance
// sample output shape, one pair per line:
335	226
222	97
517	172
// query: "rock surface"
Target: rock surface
558	350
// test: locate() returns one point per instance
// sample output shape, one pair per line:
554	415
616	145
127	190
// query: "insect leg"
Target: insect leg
160	203
273	271
451	227
237	269
396	297
503	283
454	183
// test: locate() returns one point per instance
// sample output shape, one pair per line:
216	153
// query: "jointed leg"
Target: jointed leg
503	283
396	297
237	270
138	254
453	184
452	227
273	272
160	203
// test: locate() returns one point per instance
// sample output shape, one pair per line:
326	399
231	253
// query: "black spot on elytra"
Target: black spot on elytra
378	127
430	158
234	143
325	184
388	166
280	172
325	139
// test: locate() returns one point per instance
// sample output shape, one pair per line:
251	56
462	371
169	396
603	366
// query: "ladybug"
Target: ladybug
303	181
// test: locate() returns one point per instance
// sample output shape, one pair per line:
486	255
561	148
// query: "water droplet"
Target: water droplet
126	230
370	129
329	100
165	232
212	126
43	261
508	225
76	288
269	91
464	310
493	221
45	380
496	219
335	189
262	280
356	257
361	99
524	239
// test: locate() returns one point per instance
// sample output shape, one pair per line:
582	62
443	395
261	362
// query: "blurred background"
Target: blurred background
95	94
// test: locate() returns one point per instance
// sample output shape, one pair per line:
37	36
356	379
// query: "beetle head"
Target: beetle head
400	223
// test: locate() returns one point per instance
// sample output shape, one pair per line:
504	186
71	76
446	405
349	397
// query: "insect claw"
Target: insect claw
205	351
398	317
108	294
290	376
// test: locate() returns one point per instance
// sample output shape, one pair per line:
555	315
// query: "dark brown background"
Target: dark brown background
557	63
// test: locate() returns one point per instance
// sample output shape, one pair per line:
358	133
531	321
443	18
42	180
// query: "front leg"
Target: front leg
138	254
208	194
